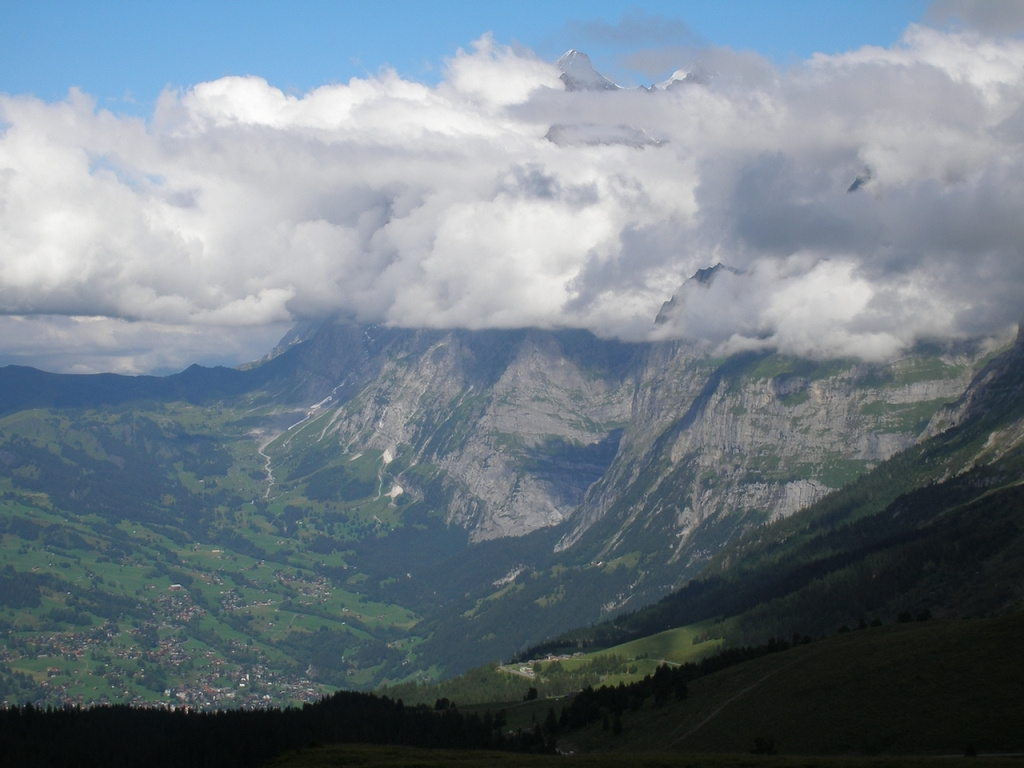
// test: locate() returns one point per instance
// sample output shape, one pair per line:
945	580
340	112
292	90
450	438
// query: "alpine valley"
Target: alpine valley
372	505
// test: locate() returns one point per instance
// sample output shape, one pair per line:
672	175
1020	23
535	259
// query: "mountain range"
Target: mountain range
368	505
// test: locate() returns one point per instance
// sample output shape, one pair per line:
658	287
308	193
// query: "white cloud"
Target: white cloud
238	208
72	344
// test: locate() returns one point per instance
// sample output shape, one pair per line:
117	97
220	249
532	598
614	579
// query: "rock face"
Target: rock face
1000	382
716	446
514	425
994	401
652	447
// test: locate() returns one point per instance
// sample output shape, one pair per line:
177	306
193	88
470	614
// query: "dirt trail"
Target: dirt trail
736	696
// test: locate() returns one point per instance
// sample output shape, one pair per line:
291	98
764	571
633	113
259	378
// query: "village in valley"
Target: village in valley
153	663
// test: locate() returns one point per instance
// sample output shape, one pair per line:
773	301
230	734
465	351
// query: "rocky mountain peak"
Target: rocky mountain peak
701	278
579	74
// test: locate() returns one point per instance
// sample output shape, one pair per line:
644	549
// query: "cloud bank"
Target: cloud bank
863	202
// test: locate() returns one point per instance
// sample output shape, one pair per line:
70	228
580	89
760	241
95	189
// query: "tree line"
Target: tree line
115	736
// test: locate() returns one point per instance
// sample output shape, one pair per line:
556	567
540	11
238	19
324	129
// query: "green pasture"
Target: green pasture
915	688
674	646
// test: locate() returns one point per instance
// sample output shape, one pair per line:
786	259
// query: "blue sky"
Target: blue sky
183	182
125	53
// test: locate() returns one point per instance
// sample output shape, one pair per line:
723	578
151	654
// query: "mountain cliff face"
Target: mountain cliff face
514	425
935	531
656	447
716	444
997	387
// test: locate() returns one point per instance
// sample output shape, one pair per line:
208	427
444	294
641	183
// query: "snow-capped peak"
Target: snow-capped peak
695	75
578	73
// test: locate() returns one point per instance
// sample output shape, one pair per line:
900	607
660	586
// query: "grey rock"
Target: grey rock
533	429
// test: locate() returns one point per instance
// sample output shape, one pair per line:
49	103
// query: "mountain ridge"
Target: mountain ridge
481	491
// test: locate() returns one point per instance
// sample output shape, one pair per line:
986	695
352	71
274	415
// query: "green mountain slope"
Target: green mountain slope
936	687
